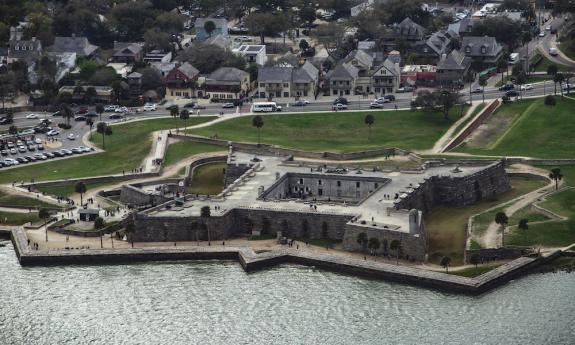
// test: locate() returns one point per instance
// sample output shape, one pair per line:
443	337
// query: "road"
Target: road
549	41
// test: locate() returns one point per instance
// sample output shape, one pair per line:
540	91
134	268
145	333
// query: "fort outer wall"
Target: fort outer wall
457	191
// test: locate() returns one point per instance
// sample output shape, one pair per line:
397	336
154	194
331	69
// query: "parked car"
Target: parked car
10	161
40	156
82	111
38	141
31	148
49	155
542	34
390	98
71	136
477	90
52	133
340	100
21	149
32	116
507	87
511	93
339	106
91	114
111	108
150	107
66	152
376	105
116	116
405	89
228	105
40	147
21	160
80	118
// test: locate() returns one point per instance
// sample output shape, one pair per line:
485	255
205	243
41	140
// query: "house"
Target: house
342	79
28	50
452	68
163	67
127	53
135	82
462	27
181	82
122	69
277	81
159	56
365	6
218	40
408	30
79	45
424	75
253	53
221	28
484	50
104	94
435	46
363	61
386	77
227	84
365	45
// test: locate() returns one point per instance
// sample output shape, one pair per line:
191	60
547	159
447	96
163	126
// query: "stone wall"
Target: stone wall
132	195
472	126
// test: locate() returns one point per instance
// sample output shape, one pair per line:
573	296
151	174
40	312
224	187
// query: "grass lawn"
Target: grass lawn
66	191
23	201
472	272
529	80
125	150
208	179
446	226
476	111
544	64
14	218
529	128
338	132
184	149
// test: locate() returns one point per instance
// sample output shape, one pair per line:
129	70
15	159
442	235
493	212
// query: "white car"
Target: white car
40	156
111	108
52	133
38	141
11	161
568	86
71	136
150	107
122	110
32	116
382	100
548	28
542	34
526	87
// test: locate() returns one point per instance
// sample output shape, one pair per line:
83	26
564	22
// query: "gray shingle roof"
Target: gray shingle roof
79	45
275	74
189	70
472	46
227	74
343	71
455	60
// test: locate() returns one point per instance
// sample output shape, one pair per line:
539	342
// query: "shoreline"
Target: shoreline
252	262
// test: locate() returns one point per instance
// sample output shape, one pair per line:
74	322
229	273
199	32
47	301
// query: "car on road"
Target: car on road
526	87
38	141
553	51
111	108
80	118
390	98
477	90
376	105
150	107
228	106
173	106
32	116
507	87
405	89
339	106
116	116
301	103
71	136
199	107
542	34
44	122
548	28
568	86
340	100
56	114
190	105
511	93
6	120
52	133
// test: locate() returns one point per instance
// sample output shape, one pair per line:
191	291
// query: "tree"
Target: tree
369	120
13	130
523	224
208	57
474	259
362	240
210	27
558	78
373	245
130	229
303	45
175	112
483	82
90	94
262	24
550	100
67	113
80	187
520	79
44	214
99	223
185	115
552	69
151	79
395	245
258	122
445	262
555	175
502	219
205	214
90	123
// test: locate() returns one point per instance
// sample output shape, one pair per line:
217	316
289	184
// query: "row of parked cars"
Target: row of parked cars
21	147
44	156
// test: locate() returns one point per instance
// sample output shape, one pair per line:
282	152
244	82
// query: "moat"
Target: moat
218	303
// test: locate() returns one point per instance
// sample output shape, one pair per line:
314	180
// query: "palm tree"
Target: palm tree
130	229
523	224
44	214
100	224
90	123
80	187
374	245
175	112
205	213
395	245
258	122
209	27
552	69
445	262
362	240
502	220
67	113
474	259
13	130
185	115
558	78
502	65
483	82
369	120
555	174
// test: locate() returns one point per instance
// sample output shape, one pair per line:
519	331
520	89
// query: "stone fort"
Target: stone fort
275	195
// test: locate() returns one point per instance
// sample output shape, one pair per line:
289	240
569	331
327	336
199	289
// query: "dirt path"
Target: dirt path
491	237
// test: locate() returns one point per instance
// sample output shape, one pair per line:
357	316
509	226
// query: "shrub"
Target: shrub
550	100
64	126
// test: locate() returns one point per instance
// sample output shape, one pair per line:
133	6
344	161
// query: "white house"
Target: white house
253	53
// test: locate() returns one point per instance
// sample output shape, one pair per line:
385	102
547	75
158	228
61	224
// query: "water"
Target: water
217	303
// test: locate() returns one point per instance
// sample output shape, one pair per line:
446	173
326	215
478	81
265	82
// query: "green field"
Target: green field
544	64
531	129
14	218
7	200
208	179
125	149
338	132
446	226
556	233
68	190
529	80
476	111
184	149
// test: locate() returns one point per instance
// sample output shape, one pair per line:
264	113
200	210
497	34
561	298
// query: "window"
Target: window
483	50
319	182
339	193
357	184
376	185
262	84
301	181
320	192
468	49
285	84
339	183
